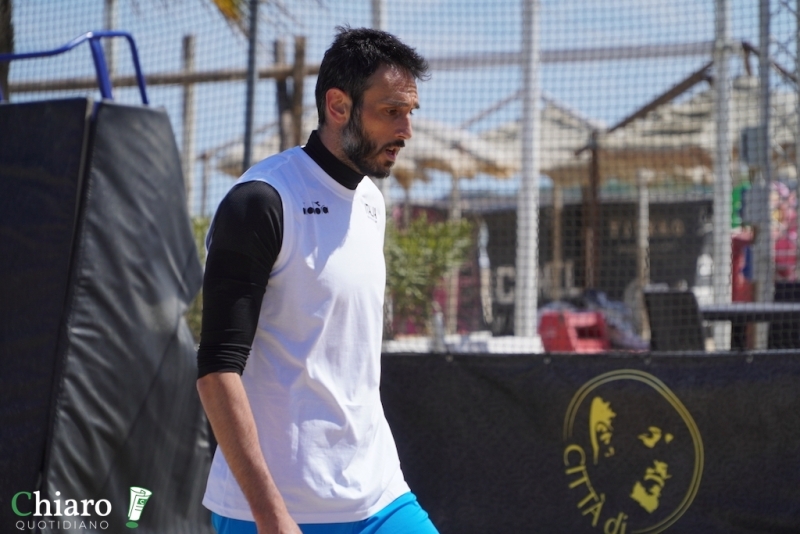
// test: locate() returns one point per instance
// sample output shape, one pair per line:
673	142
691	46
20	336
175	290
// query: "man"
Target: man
295	270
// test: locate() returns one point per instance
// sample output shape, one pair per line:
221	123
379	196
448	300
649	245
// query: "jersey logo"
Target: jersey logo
372	212
315	209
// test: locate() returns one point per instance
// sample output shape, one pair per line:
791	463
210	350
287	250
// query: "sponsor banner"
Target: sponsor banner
600	444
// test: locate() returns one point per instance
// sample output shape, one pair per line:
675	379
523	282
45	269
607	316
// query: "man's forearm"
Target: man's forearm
228	410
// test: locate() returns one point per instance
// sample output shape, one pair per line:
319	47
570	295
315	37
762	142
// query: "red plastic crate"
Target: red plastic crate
583	332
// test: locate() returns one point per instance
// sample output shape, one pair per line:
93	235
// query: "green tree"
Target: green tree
194	314
417	257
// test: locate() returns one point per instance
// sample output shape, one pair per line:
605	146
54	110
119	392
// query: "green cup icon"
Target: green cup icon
139	498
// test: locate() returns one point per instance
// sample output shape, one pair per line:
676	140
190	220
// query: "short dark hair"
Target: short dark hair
355	55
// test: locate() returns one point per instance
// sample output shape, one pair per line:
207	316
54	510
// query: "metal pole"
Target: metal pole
762	246
527	261
110	23
380	21
797	127
251	86
380	15
187	152
722	172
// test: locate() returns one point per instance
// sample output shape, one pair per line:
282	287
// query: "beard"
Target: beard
362	151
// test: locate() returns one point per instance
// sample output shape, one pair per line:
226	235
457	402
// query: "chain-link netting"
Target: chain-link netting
666	177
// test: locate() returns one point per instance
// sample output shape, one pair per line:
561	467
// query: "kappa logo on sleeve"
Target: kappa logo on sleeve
633	457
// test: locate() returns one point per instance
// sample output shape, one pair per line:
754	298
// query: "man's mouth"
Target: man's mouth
392	151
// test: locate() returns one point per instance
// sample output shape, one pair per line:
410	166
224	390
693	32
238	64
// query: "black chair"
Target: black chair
675	320
785	334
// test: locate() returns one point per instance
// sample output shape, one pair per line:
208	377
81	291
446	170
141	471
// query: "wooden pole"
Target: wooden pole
590	227
165	78
282	99
204	186
250	98
452	278
298	77
643	244
6	45
188	148
558	240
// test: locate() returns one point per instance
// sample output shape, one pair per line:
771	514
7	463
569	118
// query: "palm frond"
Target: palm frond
233	10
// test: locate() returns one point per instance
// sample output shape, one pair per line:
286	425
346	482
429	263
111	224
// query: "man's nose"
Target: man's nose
404	130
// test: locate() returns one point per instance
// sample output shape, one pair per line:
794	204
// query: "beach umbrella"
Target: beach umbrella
229	156
458	152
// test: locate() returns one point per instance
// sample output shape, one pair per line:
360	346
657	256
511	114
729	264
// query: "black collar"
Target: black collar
332	165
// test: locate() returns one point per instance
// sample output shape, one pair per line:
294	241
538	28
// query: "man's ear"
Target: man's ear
338	106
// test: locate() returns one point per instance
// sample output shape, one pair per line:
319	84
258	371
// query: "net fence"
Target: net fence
655	204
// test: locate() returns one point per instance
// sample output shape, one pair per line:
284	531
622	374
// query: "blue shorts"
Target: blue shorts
404	515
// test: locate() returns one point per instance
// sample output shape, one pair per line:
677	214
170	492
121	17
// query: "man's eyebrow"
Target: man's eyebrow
400	103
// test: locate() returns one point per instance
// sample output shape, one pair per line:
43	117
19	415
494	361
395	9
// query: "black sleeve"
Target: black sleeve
245	240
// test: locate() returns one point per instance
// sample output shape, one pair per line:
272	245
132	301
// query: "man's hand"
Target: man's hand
283	524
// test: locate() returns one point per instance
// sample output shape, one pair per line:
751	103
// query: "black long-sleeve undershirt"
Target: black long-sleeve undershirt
245	241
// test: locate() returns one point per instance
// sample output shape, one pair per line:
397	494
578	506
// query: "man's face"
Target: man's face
378	129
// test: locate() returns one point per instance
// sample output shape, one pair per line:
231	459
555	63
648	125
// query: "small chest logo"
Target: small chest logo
315	209
372	212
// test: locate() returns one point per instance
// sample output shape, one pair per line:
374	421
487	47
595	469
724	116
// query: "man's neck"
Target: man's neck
332	164
333	142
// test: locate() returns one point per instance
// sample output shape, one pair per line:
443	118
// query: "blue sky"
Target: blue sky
605	91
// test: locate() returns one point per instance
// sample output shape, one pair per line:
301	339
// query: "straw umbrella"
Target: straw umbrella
563	132
229	158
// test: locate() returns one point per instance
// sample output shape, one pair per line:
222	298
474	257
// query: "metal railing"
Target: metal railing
100	65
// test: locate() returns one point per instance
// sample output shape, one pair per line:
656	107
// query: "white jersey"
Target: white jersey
313	374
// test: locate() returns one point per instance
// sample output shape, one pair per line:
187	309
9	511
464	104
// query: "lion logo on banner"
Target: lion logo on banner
633	456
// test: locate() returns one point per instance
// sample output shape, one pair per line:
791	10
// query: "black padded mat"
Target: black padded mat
41	150
128	411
